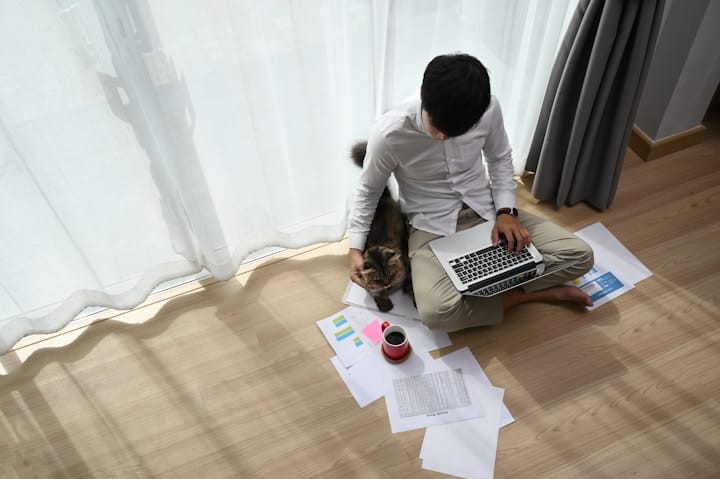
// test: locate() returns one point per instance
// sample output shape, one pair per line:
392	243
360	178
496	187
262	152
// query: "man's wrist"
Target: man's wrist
507	211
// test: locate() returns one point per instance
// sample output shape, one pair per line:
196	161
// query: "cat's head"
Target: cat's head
384	270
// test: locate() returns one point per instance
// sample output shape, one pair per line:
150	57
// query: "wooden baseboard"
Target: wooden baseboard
648	149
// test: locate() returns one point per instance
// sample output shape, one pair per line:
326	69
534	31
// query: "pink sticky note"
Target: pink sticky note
373	331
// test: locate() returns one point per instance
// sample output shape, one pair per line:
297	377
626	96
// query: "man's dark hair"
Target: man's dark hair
455	92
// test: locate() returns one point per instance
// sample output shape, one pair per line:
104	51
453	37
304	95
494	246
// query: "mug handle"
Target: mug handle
385	325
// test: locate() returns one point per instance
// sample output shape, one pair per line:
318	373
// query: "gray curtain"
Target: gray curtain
590	103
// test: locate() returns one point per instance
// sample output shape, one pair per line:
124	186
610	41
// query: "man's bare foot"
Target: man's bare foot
561	292
565	292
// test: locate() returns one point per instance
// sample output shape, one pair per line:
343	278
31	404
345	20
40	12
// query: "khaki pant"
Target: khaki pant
442	307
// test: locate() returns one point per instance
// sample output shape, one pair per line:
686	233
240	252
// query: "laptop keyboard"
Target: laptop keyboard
495	259
503	285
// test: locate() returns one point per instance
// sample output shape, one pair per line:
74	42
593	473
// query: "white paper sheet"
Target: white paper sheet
362	379
402	303
465	358
449	469
343	331
616	269
467	448
437	395
611	254
366	379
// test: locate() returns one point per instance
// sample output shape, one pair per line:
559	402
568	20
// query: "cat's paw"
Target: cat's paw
384	304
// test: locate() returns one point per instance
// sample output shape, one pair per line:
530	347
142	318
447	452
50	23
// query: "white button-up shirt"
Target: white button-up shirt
434	177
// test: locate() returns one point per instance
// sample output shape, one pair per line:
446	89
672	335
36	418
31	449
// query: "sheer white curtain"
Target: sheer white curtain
516	41
146	140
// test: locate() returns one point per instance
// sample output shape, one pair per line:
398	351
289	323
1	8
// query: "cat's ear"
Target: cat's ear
394	257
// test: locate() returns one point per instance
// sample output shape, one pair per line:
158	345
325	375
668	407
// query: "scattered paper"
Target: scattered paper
343	331
449	469
431	393
601	285
437	395
402	303
366	379
612	254
616	269
362	379
466	448
464	358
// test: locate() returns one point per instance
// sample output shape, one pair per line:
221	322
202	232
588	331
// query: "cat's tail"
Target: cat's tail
357	153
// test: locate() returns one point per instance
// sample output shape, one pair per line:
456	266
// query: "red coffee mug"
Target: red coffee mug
395	345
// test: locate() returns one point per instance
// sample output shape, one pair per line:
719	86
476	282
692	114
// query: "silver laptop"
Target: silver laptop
478	268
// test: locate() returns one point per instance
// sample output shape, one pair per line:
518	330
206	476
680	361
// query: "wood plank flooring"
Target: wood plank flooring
232	379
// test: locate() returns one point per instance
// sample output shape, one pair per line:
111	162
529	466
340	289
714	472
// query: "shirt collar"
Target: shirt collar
418	118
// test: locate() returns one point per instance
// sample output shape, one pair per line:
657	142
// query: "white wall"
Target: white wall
685	70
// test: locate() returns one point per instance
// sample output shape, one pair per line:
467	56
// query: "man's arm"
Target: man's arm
379	163
498	156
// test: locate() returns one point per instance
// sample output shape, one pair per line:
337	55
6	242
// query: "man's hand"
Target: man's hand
356	266
515	233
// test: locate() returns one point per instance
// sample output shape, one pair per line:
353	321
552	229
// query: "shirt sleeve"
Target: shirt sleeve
498	156
378	165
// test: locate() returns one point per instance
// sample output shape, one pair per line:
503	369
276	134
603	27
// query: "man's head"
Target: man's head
455	93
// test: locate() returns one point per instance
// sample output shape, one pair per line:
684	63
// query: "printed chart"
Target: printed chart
601	285
345	331
616	269
350	333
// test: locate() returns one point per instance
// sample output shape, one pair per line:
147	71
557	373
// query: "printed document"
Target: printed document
466	448
436	395
616	269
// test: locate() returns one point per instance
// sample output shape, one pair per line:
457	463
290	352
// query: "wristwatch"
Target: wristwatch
507	211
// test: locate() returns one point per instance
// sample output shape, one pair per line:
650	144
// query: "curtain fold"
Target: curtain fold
146	140
592	96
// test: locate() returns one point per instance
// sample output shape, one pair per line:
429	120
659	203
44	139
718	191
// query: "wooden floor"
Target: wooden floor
233	379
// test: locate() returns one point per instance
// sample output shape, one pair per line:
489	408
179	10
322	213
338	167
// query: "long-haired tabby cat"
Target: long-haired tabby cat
387	266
